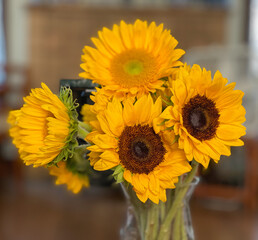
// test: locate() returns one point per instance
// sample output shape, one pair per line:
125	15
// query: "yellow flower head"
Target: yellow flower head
44	128
74	181
124	140
87	114
207	114
131	59
100	100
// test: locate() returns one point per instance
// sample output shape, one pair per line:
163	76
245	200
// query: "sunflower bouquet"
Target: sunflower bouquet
153	120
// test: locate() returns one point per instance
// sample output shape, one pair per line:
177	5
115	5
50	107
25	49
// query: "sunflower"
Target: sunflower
87	114
207	114
100	100
131	58
74	181
44	128
124	140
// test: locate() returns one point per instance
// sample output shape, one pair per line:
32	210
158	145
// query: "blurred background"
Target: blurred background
42	41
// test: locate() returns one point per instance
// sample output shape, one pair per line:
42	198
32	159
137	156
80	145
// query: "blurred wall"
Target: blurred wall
49	38
58	33
236	22
17	32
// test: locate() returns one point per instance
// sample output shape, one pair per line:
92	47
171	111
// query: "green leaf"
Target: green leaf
118	169
120	177
118	174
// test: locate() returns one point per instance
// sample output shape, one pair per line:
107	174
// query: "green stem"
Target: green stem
148	229
83	130
170	198
156	222
139	210
183	232
143	219
176	225
152	225
81	149
79	159
85	126
166	225
162	210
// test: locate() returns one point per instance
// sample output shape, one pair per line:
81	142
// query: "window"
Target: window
2	45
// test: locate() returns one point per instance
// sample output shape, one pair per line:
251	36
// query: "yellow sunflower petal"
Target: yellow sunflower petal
131	58
207	114
137	140
108	159
64	176
40	129
230	132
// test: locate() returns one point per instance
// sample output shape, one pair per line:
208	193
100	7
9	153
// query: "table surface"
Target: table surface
41	210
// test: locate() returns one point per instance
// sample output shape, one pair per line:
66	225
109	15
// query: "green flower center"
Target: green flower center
133	67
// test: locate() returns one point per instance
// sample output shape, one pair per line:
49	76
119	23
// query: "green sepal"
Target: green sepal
162	123
168	101
170	128
176	139
71	143
66	96
66	153
164	79
118	174
79	163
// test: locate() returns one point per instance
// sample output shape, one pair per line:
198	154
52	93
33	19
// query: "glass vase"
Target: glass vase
164	221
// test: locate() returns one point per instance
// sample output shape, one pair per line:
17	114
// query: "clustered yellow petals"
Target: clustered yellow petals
74	181
153	181
131	59
197	85
40	128
152	121
199	118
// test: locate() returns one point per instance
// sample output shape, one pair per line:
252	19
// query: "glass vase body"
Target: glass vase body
164	221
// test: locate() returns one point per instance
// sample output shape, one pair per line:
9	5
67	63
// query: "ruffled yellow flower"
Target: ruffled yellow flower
87	114
43	128
124	140
100	100
14	131
74	181
131	59
207	114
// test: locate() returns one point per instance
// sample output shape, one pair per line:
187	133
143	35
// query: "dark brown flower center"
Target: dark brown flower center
201	117
140	149
198	118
